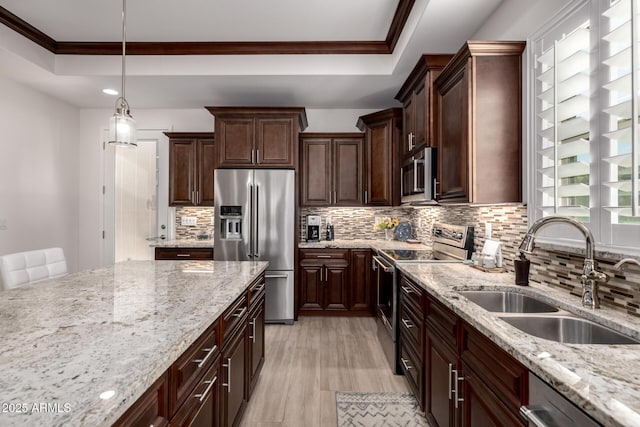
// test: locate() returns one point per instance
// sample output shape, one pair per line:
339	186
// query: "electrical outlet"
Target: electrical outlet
189	221
487	230
213	220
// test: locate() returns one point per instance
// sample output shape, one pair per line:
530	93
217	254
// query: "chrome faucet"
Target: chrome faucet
623	261
590	276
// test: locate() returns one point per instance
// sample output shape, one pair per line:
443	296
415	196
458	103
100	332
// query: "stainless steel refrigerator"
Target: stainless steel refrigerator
254	221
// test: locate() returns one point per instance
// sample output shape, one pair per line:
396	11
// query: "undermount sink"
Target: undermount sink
566	329
508	302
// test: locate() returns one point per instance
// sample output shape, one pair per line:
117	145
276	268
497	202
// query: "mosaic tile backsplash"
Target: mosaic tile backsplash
203	215
557	268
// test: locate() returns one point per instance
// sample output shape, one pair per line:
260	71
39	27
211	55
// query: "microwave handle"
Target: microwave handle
416	189
401	181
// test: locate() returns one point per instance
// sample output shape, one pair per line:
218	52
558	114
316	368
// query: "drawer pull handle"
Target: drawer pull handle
405	364
407	290
184	255
408	324
450	372
324	256
239	314
456	391
202	397
258	289
253	330
228	383
210	352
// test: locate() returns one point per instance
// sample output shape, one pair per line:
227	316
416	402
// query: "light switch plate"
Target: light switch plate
487	230
189	221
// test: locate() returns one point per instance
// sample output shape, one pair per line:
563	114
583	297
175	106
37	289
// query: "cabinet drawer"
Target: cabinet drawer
506	377
202	404
412	294
324	255
412	367
150	409
184	253
188	369
443	321
234	317
256	291
412	328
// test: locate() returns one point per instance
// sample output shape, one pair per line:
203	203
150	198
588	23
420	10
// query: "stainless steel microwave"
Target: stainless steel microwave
418	176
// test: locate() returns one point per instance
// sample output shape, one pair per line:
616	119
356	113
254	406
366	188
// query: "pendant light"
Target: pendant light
122	127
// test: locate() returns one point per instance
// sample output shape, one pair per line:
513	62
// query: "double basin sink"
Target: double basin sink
544	320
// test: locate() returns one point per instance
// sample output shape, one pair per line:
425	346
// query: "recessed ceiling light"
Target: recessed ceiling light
110	91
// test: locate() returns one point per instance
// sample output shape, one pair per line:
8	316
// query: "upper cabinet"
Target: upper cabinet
258	137
418	99
192	160
331	170
479	124
383	131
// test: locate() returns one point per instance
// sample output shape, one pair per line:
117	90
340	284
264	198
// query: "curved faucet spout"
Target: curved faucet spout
623	261
590	277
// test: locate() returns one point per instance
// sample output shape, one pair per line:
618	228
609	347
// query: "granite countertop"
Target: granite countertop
65	341
182	243
604	380
361	244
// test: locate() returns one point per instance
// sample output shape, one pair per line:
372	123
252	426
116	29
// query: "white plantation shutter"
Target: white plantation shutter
620	72
562	123
585	113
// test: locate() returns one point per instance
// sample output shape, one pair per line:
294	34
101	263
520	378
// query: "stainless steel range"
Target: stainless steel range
450	243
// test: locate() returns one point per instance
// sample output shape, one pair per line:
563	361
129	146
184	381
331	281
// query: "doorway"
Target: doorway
135	198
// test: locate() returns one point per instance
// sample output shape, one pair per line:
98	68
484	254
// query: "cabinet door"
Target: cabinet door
408	127
235	139
202	407
348	165
315	172
233	375
182	172
275	142
440	360
336	279
360	289
152	408
453	145
207	158
380	164
311	287
481	407
256	343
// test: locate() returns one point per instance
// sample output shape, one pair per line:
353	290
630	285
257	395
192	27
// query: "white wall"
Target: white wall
38	172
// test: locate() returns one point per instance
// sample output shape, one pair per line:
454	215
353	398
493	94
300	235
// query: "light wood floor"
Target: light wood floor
306	363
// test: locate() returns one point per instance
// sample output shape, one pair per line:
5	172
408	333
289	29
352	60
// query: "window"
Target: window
586	70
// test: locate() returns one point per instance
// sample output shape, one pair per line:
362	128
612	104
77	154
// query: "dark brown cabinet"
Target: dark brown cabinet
205	254
150	409
192	160
479	124
324	280
332	169
383	131
202	406
258	137
470	381
360	295
233	395
417	96
256	334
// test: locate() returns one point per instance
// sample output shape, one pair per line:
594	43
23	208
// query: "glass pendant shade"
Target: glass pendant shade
122	129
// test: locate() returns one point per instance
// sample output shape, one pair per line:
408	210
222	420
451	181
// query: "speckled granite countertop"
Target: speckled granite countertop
182	243
66	341
604	380
361	244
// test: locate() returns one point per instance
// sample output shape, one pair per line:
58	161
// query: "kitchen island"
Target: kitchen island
81	349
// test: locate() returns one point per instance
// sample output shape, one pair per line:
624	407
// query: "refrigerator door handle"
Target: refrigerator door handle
250	254
257	216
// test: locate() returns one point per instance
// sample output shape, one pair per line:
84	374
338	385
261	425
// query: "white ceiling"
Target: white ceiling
313	81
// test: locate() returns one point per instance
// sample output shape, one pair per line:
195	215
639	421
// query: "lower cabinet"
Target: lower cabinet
470	381
234	397
211	382
205	254
335	281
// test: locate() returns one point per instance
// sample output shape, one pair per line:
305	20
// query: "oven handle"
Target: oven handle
385	267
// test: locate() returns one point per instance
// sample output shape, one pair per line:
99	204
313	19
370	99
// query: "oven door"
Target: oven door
386	293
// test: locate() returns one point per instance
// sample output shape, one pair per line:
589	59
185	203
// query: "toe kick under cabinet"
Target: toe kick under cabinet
211	382
459	376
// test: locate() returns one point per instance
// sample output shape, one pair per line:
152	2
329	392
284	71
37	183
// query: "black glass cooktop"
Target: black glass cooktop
408	254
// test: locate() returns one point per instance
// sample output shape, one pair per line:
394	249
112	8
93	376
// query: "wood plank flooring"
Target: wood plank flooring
306	363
